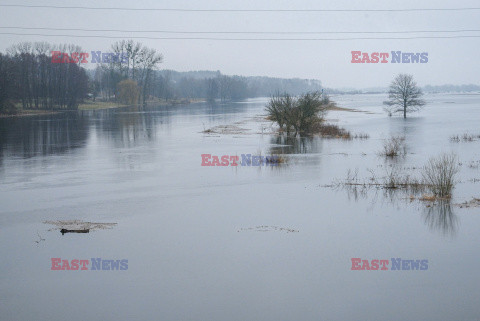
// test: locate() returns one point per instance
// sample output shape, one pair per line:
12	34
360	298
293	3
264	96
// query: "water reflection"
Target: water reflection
441	217
120	127
129	127
438	215
408	127
28	137
295	145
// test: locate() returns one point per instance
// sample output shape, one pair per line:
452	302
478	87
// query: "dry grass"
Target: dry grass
426	197
276	159
439	174
393	180
474	202
455	138
226	130
331	131
30	112
433	198
397	180
361	136
91	105
466	137
435	185
394	146
334	131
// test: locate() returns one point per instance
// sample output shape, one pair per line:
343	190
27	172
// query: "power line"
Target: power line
241	39
243	32
235	10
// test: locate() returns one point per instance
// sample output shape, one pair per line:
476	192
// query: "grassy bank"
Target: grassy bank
90	105
30	112
93	105
97	105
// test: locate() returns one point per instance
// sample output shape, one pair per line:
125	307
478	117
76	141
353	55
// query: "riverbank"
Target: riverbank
30	112
90	105
98	105
94	105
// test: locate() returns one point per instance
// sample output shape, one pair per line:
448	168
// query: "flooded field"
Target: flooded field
236	243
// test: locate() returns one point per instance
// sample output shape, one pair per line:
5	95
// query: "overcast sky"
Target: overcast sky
452	61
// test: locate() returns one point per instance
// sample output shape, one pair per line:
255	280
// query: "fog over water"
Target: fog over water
450	37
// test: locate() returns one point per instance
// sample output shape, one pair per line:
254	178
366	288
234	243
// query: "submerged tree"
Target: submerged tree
404	96
302	114
279	109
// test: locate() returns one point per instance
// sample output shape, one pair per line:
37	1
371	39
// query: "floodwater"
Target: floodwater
234	243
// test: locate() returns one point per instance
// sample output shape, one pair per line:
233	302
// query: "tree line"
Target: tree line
213	85
30	80
209	85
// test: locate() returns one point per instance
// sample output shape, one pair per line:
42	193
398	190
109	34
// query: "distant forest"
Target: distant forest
32	78
451	88
210	85
426	88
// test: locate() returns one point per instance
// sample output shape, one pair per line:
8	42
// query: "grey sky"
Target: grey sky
450	60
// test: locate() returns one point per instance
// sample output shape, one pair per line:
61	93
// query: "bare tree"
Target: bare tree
40	84
404	96
139	66
148	60
133	50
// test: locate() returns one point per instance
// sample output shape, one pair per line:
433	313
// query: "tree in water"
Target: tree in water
404	96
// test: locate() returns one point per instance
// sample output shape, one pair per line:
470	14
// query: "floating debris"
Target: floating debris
63	231
226	130
77	226
266	228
